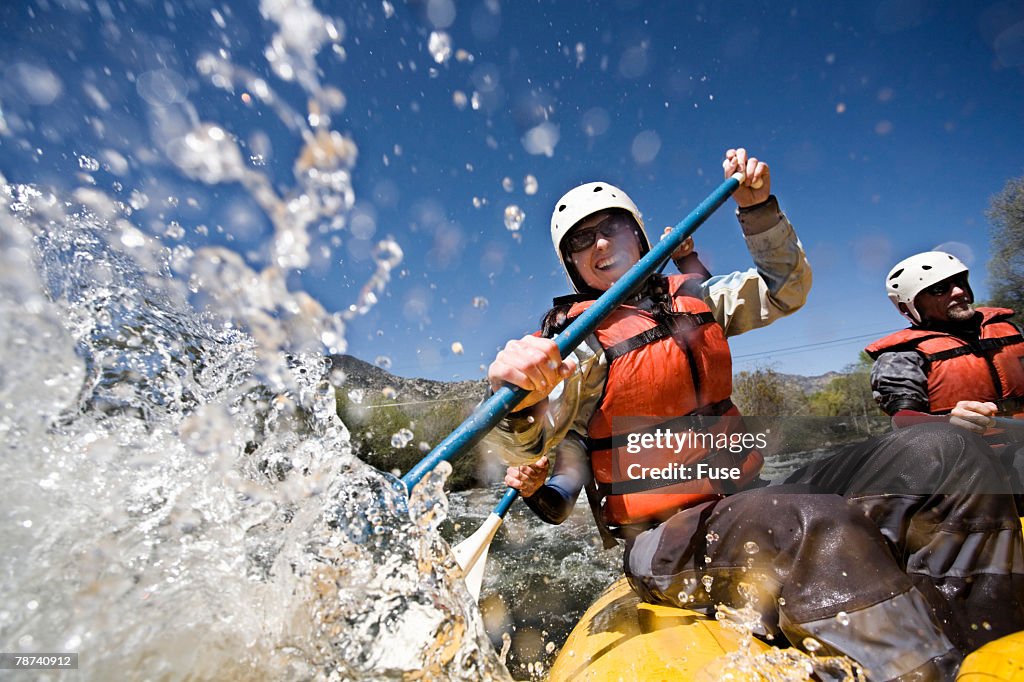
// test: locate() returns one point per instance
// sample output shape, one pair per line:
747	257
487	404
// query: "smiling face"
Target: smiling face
602	263
947	301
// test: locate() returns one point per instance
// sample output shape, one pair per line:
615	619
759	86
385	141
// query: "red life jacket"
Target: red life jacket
990	369
659	370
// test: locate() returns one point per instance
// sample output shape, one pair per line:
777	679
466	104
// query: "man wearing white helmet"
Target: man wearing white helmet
663	354
954	359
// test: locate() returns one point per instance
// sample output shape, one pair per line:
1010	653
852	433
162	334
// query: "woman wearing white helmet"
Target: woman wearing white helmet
663	355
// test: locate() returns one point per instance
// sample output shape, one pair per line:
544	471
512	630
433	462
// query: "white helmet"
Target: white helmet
582	201
913	275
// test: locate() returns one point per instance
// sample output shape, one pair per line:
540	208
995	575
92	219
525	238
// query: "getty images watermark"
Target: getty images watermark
689	448
725	454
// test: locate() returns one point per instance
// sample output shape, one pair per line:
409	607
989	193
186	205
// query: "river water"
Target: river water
180	497
539	579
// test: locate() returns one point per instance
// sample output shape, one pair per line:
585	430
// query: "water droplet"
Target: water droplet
530	185
782	602
356	395
811	645
460	100
707	560
549	647
581	53
707	581
751	547
383	361
514	217
457	348
843	618
542	139
440	46
132	237
389	392
506	184
208	154
712	536
138	200
88	163
480	302
986	625
389	9
174	230
402	438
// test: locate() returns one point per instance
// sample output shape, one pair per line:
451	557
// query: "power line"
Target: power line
820	344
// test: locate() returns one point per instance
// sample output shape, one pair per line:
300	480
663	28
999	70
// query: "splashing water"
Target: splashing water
182	500
155	470
773	664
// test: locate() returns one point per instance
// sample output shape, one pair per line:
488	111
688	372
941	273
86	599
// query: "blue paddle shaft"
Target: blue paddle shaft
504	400
1009	423
506	502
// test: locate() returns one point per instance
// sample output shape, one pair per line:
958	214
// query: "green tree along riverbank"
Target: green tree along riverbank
394	422
393	437
1006	267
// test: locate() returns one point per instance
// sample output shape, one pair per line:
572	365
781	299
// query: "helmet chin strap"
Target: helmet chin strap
905	309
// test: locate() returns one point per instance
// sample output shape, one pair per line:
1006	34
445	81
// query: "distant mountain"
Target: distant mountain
810	385
360	374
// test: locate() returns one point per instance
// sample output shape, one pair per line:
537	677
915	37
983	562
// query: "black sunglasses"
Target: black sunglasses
942	288
612	226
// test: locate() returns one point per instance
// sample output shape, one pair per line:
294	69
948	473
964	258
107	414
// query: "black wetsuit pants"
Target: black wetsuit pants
920	564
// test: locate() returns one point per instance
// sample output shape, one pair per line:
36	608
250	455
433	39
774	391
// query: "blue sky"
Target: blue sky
887	124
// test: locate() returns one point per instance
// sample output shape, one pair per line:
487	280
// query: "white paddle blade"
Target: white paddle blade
471	553
475	577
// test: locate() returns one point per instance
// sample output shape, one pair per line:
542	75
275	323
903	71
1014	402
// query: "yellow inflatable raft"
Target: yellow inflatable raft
621	638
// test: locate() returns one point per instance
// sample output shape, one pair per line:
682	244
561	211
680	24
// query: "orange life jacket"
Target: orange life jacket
990	369
660	368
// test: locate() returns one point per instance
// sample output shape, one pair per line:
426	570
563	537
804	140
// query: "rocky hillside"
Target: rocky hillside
809	385
374	380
